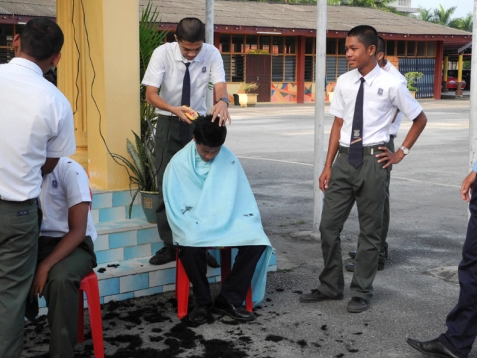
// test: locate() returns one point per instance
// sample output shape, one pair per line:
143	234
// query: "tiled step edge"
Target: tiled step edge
137	278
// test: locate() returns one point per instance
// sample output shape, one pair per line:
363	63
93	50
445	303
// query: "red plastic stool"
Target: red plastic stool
89	284
183	283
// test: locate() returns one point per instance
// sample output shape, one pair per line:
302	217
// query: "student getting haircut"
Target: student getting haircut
190	29
41	38
381	45
366	34
209	133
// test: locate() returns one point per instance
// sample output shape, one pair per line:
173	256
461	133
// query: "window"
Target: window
421	48
237	68
277	45
233	67
224	43
277	68
290	44
431	49
265	43
390	47
310	45
330	46
401	48
309	68
238	43
251	43
341	46
283	68
411	48
290	68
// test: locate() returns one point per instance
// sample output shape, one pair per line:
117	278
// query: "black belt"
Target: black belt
366	150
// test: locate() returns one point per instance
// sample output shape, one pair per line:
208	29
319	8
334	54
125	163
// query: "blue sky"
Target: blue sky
463	6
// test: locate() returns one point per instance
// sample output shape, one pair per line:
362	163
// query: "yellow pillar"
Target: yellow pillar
444	78
99	74
460	65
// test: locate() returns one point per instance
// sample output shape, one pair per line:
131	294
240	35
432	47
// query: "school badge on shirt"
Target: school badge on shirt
380	92
54	184
204	69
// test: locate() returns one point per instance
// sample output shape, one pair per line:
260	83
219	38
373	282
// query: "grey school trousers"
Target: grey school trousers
366	186
18	248
61	293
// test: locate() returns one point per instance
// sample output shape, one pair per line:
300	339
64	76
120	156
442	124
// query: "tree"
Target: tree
463	23
424	14
442	16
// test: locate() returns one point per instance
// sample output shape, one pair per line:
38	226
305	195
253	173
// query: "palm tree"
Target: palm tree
424	14
443	16
463	23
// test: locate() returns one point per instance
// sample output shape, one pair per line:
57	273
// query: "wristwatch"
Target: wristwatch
404	150
226	100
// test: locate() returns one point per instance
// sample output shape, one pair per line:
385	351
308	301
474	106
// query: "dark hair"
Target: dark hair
41	38
190	29
209	133
381	45
366	34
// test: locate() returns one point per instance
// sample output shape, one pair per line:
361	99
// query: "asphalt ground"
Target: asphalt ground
275	145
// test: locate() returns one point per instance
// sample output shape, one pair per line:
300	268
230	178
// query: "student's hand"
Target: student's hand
466	188
389	157
39	281
221	111
181	113
324	179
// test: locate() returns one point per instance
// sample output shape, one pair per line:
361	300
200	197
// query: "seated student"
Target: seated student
65	251
209	203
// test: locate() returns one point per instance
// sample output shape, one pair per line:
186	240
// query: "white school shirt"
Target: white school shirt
36	122
166	71
382	95
64	187
398	75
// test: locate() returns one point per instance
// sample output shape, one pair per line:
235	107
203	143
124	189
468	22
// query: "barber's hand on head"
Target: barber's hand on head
220	110
181	113
324	179
389	157
39	281
466	188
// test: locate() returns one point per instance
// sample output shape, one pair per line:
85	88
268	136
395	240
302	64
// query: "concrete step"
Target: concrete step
123	249
125	279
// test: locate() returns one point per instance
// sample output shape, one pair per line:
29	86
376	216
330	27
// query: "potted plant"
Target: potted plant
412	78
247	99
141	167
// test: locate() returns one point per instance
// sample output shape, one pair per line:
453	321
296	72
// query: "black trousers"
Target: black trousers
462	320
236	285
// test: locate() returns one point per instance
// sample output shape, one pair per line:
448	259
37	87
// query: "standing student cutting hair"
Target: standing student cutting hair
182	70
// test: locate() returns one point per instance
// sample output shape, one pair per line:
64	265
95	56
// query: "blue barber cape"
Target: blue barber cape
211	204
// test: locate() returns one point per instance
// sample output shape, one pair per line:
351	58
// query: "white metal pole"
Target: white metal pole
209	38
320	71
473	95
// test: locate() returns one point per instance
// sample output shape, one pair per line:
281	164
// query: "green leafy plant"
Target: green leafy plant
247	87
141	167
412	78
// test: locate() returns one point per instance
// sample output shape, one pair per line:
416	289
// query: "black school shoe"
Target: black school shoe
200	314
357	305
223	307
163	256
